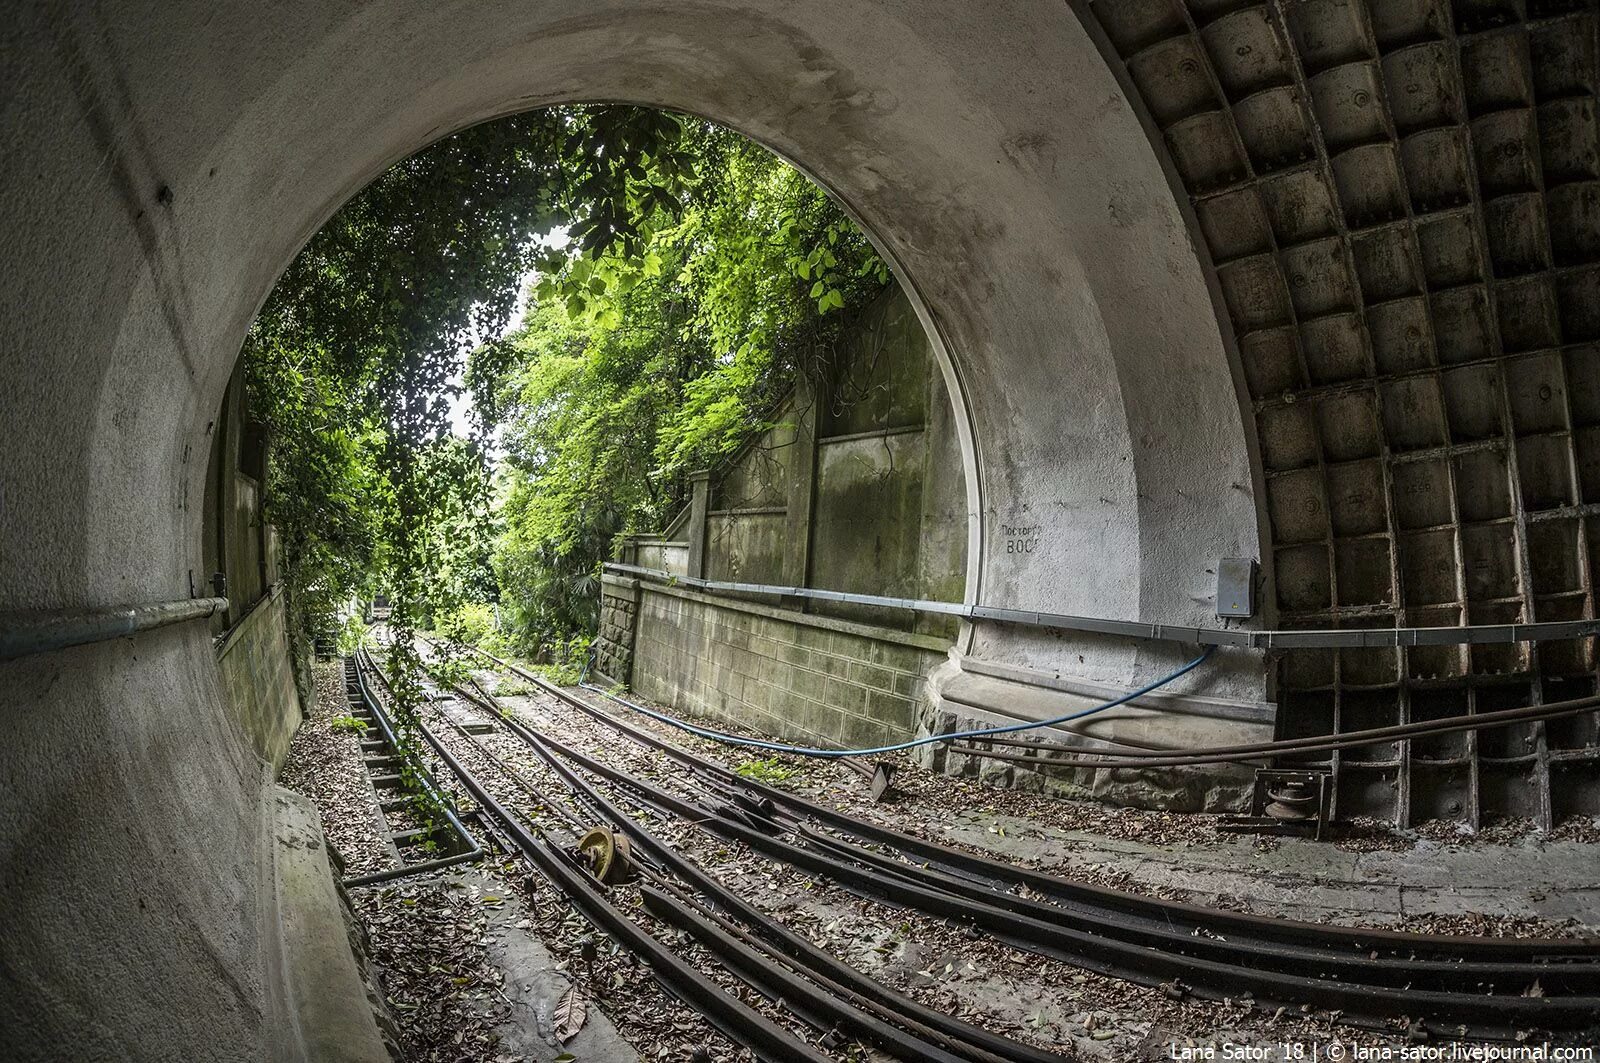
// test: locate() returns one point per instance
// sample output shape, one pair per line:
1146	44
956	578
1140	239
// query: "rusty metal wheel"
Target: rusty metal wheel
607	855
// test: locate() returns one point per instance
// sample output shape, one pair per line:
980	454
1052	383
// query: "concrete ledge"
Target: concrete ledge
535	983
256	665
333	1020
230	638
966	700
1187	704
793	616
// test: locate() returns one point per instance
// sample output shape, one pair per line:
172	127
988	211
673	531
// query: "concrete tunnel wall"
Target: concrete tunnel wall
169	159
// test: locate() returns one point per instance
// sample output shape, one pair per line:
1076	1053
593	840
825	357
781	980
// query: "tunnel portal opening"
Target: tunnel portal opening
1206	281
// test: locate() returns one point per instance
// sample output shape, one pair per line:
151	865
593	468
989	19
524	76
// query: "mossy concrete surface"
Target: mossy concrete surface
257	673
807	678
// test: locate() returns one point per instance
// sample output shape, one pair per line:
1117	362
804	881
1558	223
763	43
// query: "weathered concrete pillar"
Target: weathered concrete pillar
699	504
628	550
800	491
619	623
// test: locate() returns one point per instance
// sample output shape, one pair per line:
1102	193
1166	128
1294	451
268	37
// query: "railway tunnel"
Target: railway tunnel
1309	283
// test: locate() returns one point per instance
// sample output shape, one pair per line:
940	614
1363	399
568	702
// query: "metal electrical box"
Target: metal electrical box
1236	587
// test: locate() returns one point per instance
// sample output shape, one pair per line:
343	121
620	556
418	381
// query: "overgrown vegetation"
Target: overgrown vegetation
352	635
681	276
350	363
512	688
765	769
636	366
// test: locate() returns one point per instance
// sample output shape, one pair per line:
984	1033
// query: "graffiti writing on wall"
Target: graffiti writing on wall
1021	538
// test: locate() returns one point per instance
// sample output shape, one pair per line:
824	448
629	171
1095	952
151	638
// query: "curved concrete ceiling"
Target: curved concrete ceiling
180	157
1404	215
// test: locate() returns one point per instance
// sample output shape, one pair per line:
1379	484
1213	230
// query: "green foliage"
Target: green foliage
469	624
700	276
352	635
639	364
740	279
449	671
450	659
350	363
425	803
569	659
512	688
562	662
348	724
767	769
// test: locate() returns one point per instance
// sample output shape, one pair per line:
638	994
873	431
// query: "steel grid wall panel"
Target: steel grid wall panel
1401	201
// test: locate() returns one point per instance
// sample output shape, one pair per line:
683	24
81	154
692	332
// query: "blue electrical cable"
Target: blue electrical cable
810	751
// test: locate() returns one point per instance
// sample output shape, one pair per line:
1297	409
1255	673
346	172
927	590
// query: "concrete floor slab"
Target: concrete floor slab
535	983
1301	878
333	1018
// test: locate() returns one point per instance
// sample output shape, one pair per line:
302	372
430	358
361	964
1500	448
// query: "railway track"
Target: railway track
1448	986
835	1000
387	767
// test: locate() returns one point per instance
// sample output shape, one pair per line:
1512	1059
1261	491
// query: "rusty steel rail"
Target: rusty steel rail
896	1024
724	928
738	1021
1510	963
1064	889
820	1009
472	850
934	1034
1371	968
1139	963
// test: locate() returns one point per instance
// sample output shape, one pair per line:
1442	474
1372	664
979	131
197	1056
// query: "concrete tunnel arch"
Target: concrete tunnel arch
1060	274
180	155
